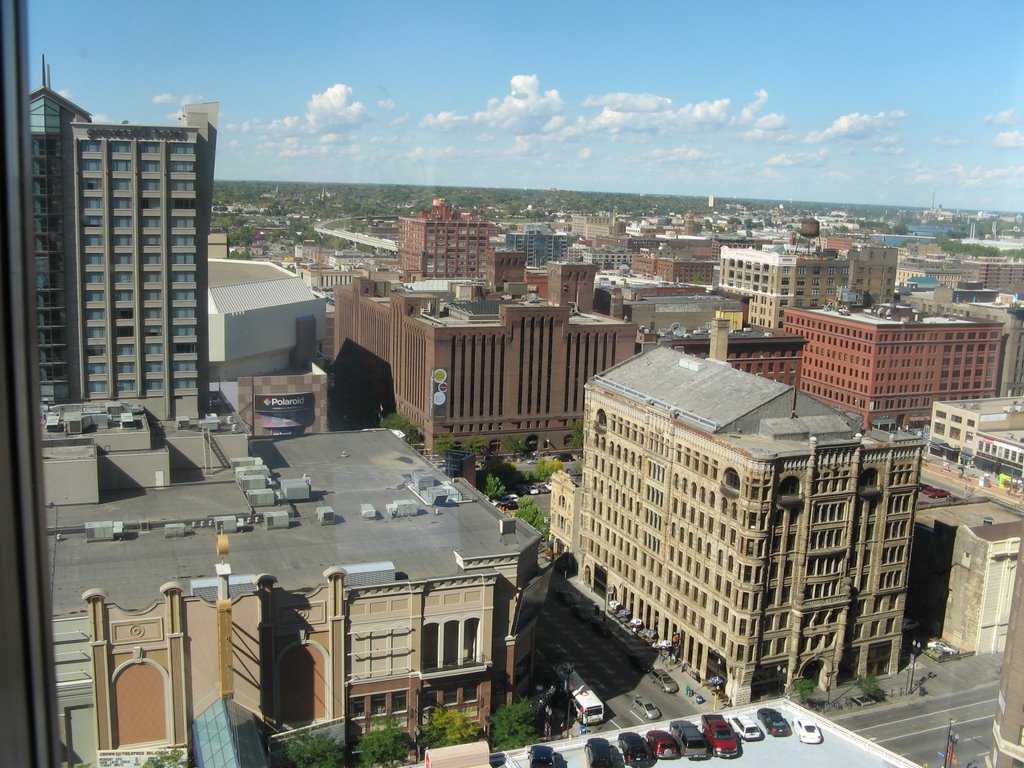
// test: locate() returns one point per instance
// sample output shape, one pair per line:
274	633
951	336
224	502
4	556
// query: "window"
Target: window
182	149
122	166
122	203
150	185
149	148
91	165
181	166
121	185
120	146
150	166
89	146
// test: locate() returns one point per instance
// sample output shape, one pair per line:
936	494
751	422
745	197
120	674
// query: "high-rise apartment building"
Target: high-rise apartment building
759	533
122	220
442	242
1008	727
540	243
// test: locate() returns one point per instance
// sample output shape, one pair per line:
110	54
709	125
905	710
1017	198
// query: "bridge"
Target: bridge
358	237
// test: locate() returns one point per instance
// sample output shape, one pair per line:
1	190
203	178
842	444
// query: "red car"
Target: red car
721	738
662	744
934	493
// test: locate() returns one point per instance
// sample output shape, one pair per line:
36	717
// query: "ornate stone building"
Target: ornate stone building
745	521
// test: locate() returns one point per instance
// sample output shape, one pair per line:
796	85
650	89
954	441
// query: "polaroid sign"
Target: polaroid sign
276	403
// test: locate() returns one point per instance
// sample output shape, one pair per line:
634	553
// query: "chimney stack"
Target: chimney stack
719	349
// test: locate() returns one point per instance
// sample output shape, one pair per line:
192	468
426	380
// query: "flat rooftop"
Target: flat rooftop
347	469
871	319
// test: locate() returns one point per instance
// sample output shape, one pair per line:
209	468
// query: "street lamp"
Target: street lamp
781	669
915	648
951	740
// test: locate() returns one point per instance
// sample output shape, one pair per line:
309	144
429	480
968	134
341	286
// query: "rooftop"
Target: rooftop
972	515
867	318
237	286
347	469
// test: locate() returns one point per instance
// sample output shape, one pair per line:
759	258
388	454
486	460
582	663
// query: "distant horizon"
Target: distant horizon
886	103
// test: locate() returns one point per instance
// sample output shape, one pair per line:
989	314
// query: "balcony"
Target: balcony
791	500
869	492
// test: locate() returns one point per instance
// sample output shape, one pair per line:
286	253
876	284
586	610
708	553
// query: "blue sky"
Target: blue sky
871	102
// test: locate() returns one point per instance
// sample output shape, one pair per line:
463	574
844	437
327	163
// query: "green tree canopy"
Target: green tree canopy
443	444
804	689
448	727
399	422
534	515
576	442
494	488
870	686
513	726
478	444
546	468
385	744
308	750
514	444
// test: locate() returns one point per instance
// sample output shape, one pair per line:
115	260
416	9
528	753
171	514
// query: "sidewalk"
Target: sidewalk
949	677
968	482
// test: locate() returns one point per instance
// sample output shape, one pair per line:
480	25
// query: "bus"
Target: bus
588	707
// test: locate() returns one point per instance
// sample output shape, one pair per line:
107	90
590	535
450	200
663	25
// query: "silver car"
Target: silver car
646	708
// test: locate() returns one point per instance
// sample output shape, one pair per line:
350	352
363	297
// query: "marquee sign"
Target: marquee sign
304	401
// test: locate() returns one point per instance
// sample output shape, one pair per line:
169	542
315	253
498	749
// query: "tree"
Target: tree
513	444
443	444
513	726
385	743
478	444
319	750
576	441
531	513
494	488
402	424
870	686
804	689
172	758
546	468
448	727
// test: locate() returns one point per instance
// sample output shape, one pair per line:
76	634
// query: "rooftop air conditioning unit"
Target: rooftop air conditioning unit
127	421
277	519
325	515
402	508
261	497
242	461
226	524
73	424
367	512
296	489
174	530
99	531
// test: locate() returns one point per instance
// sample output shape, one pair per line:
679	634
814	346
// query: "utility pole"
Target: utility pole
951	740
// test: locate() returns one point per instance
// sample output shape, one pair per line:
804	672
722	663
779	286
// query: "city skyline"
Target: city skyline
878	105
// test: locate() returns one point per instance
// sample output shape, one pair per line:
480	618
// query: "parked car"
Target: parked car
646	708
807	731
541	756
940	647
721	739
692	744
774	723
598	753
746	728
664	680
662	744
633	748
936	493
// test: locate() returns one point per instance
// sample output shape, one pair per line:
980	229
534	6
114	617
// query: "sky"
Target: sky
884	103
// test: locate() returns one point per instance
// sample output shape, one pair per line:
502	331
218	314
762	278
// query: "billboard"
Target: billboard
439	392
285	414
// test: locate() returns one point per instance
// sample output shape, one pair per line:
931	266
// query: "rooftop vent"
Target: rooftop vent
277	520
325	515
402	508
174	530
104	530
506	525
225	524
367	512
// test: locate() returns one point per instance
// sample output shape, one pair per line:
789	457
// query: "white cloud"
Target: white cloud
584	153
677	154
749	112
330	138
403	119
386	104
629	102
165	98
170	98
524	110
334	108
686	117
444	121
804	159
1009	140
838	175
856	126
951	141
1006	117
65	93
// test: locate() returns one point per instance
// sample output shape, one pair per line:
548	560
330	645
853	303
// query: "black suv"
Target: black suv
634	749
599	753
774	723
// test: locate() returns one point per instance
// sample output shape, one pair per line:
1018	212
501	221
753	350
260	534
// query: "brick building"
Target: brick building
481	367
442	242
888	366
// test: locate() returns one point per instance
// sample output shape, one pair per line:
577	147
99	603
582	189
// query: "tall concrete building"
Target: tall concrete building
122	221
759	533
1008	727
540	243
442	242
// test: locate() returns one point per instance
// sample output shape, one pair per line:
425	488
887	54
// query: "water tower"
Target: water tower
810	229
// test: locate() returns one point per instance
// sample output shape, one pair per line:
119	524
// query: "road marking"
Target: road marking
942	727
917	717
